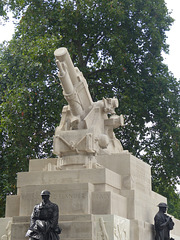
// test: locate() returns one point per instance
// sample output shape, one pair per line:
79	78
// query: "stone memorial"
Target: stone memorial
103	192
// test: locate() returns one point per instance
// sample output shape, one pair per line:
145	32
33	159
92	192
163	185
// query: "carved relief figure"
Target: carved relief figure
163	223
104	233
7	236
44	220
120	230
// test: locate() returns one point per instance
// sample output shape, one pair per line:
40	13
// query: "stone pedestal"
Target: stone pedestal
110	200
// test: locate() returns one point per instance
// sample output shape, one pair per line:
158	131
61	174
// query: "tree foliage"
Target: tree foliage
117	45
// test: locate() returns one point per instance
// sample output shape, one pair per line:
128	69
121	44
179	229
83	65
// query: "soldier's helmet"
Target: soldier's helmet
162	205
45	193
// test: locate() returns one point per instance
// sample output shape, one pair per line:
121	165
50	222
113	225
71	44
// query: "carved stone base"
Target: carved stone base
113	202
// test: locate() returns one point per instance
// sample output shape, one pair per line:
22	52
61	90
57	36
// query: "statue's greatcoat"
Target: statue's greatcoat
162	228
44	222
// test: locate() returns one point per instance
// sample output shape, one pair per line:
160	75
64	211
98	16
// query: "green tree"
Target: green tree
117	45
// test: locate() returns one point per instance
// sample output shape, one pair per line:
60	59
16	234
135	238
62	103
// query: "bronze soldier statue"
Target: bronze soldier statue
44	220
163	223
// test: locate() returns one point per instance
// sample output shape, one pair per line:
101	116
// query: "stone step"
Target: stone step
62	218
78	227
75	218
94	176
83	230
21	219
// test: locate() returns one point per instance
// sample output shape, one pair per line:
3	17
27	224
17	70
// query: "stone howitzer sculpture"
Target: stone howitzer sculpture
86	127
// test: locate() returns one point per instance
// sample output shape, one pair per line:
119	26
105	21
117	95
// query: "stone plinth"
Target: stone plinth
135	173
111	200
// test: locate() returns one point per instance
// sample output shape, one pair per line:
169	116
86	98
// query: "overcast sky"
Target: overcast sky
172	60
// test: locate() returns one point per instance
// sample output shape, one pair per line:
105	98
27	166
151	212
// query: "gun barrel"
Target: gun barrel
75	88
62	55
65	78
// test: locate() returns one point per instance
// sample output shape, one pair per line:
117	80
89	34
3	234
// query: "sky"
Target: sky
172	59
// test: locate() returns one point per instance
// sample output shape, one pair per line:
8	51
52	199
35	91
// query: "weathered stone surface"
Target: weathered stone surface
109	203
175	233
18	230
141	230
41	164
71	198
135	173
95	176
111	227
142	206
82	227
3	225
83	193
12	205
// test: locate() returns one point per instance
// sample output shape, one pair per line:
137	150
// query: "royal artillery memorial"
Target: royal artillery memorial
103	191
